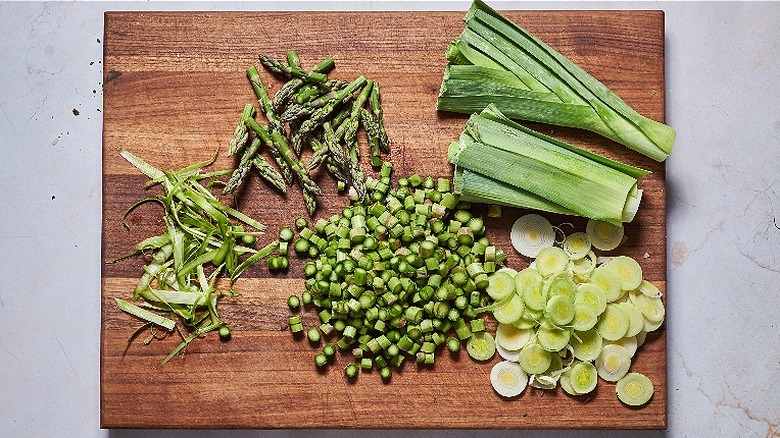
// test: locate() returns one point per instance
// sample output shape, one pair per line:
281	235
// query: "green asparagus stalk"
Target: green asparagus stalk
284	168
265	101
319	156
241	134
309	201
243	167
269	174
375	102
291	71
374	136
300	170
290	88
316	119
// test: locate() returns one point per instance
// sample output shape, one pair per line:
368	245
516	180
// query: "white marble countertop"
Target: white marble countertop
723	181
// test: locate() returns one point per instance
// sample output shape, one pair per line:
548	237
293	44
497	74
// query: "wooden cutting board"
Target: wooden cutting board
173	90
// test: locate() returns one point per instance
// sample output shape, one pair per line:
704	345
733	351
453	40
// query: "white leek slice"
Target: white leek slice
531	233
508	379
577	245
604	236
513	338
613	362
510	355
634	389
629	343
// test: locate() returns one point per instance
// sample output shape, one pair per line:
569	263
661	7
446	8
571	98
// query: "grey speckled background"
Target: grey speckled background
723	91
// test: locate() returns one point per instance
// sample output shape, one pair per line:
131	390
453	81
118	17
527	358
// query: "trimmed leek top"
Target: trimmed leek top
496	61
498	160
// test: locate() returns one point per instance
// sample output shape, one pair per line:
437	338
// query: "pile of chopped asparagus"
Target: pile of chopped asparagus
309	109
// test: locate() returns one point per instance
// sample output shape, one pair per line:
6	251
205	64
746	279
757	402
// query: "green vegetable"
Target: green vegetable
387	283
294	302
481	346
585	183
634	389
496	62
201	234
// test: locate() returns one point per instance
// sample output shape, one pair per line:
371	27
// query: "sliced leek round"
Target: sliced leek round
560	284
510	355
481	346
584	377
590	295
530	233
530	285
613	323
636	321
553	338
652	308
551	260
500	285
585	317
565	382
582	268
634	389
513	338
587	345
640	338
508	379
511	311
613	362
604	236
577	245
559	310
534	359
608	281
629	343
649	289
628	272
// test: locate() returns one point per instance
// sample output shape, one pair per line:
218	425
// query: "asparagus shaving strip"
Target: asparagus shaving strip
201	233
497	62
309	109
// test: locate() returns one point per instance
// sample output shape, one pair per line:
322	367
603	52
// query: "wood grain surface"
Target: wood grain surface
173	90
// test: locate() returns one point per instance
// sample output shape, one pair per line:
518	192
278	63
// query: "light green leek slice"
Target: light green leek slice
561	284
604	236
652	308
565	382
613	323
553	338
613	362
551	260
529	284
560	310
500	285
511	311
636	320
584	377
634	389
534	359
587	345
585	317
607	280
630	343
592	296
628	271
